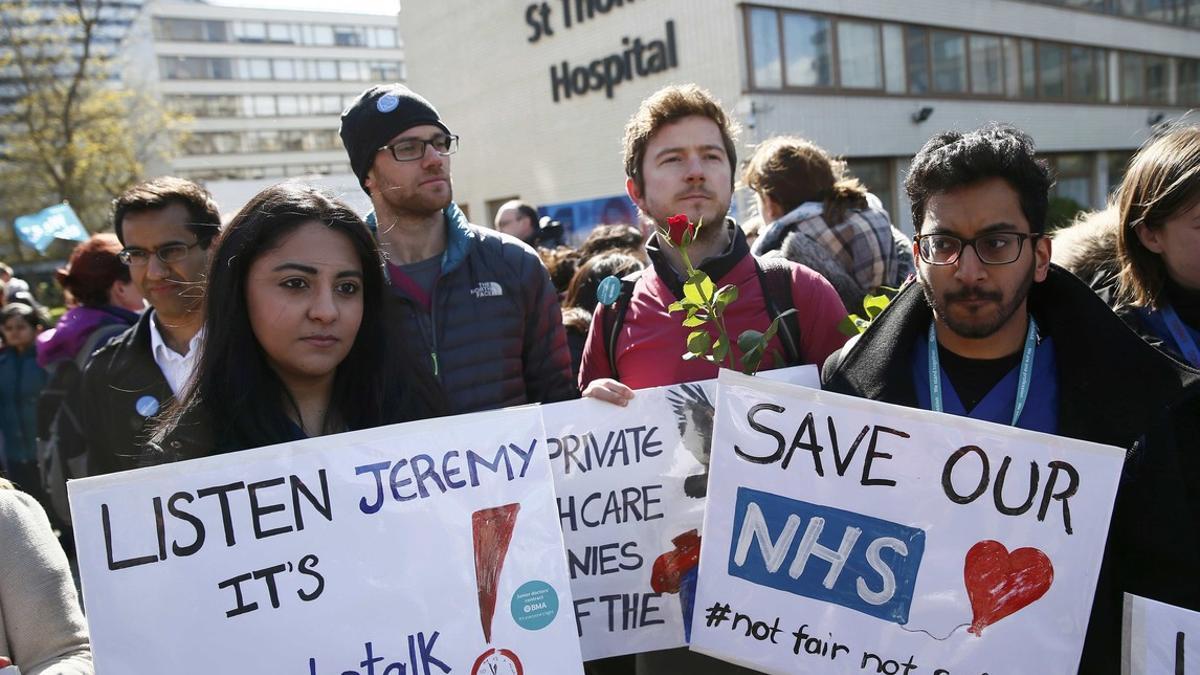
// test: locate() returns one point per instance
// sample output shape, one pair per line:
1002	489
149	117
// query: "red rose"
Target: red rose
677	226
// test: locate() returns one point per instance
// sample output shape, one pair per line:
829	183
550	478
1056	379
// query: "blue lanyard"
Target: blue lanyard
1180	333
1023	382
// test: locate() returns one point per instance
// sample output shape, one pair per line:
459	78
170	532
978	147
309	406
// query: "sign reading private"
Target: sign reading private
631	484
425	548
848	536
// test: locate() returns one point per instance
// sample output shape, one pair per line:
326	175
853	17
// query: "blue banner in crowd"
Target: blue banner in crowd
40	229
579	218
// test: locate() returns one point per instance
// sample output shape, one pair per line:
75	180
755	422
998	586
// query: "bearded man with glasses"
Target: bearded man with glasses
993	331
458	290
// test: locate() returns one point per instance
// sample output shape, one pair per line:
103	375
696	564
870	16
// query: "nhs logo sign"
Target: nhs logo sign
856	561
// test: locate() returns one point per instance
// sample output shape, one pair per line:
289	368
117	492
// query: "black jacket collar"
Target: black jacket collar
1112	385
716	267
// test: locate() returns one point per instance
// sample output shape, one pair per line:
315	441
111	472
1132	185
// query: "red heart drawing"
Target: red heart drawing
1000	583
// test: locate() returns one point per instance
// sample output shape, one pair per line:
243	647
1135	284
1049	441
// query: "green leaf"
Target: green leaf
695	320
696	277
749	340
691	292
699	342
875	304
771	330
708	287
725	296
686	239
675	307
720	350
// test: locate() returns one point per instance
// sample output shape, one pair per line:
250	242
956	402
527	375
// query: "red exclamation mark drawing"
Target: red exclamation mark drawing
491	531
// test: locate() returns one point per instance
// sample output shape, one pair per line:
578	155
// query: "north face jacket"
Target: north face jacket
493	333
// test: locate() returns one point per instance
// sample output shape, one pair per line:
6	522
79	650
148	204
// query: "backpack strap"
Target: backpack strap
775	277
614	318
96	340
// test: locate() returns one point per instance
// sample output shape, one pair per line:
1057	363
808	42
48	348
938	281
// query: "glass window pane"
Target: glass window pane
764	40
1133	74
284	69
1012	68
264	106
279	32
326	69
949	62
1189	82
385	37
258	69
1158	69
876	175
323	35
987	65
1051	71
288	105
1028	70
916	58
252	31
808	50
1085	76
858	55
348	70
893	58
1074	178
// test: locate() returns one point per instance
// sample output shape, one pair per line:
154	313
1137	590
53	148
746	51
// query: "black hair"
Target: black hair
953	159
372	385
204	218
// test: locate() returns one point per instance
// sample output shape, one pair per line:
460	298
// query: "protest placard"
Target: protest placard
1159	638
430	547
849	536
631	483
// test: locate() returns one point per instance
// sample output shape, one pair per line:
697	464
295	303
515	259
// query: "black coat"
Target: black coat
116	378
1113	389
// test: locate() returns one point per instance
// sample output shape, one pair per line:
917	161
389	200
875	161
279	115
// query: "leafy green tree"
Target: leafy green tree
74	133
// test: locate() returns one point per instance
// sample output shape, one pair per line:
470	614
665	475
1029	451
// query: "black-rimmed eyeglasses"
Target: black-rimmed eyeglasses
171	253
410	149
997	248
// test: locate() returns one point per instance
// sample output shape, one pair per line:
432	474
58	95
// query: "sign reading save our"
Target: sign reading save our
849	536
430	547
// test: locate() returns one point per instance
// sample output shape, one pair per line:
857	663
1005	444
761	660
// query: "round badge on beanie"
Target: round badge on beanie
377	116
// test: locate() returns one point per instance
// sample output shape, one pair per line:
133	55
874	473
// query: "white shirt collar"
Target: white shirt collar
159	346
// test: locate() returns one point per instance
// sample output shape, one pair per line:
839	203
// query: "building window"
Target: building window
767	71
1073	178
807	50
949	62
384	71
280	33
1144	78
250	31
189	30
859	56
916	53
194	68
1188	82
893	49
987	66
345	36
1088	74
1051	70
385	38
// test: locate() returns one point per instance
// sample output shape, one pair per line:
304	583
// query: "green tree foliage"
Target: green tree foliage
74	134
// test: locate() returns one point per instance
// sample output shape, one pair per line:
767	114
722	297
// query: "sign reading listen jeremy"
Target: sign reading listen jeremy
425	548
849	536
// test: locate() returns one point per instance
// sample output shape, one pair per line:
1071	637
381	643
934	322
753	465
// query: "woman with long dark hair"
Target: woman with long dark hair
296	339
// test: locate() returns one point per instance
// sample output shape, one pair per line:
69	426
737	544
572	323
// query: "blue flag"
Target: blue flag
40	229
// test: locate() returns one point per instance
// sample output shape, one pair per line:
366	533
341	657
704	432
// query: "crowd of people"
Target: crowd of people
298	318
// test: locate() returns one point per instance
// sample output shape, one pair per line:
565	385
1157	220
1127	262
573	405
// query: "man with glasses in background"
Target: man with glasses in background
993	331
166	226
477	304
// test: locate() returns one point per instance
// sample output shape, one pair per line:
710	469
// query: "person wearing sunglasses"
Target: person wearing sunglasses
167	226
991	330
458	290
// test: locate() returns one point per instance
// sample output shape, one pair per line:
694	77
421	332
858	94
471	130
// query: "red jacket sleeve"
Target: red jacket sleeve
819	310
595	353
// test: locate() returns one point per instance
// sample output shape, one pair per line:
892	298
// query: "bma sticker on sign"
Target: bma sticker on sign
872	563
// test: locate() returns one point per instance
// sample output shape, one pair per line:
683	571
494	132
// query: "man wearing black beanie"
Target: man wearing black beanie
478	303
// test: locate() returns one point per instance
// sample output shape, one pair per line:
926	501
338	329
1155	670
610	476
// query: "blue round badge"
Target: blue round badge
534	605
146	406
387	103
609	290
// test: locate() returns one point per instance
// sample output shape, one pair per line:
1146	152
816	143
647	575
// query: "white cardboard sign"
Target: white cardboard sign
1159	639
425	548
631	483
849	536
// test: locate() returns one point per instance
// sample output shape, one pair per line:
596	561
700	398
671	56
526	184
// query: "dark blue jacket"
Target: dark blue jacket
21	380
494	333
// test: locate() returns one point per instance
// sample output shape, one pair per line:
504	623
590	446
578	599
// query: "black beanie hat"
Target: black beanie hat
377	116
